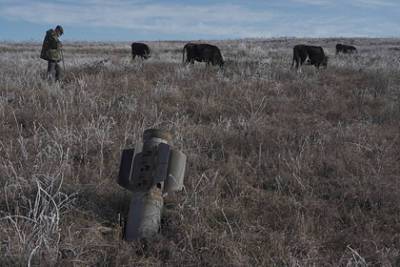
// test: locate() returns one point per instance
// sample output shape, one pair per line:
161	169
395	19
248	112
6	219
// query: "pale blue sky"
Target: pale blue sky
124	20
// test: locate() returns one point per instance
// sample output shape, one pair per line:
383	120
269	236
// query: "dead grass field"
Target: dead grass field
284	168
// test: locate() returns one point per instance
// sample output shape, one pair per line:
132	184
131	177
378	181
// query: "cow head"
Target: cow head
308	61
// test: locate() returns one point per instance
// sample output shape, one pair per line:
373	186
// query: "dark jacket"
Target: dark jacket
51	49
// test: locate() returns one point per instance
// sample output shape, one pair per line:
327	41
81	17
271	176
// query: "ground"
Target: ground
284	168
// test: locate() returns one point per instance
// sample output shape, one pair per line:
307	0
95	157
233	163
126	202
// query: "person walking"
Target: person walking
52	53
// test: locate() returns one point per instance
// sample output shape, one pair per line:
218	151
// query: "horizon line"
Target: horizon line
202	39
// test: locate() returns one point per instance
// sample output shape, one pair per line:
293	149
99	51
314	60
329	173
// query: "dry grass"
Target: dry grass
284	168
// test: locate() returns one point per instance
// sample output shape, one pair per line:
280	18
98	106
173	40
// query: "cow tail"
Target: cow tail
293	59
183	54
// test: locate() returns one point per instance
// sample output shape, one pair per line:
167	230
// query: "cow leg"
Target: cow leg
296	59
133	57
298	65
301	62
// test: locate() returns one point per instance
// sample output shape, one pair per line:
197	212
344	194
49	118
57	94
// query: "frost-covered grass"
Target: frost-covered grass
284	168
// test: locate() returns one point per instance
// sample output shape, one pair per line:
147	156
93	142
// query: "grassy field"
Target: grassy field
284	168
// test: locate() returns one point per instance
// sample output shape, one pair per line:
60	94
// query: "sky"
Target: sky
127	20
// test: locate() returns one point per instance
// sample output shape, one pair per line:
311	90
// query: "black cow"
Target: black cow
141	50
202	53
345	49
313	55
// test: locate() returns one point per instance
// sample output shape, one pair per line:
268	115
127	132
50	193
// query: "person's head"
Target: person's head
59	30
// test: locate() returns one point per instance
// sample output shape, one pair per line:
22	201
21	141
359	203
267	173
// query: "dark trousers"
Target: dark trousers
53	70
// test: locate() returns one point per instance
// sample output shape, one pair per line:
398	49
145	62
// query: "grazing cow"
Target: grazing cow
202	53
141	50
313	55
345	49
